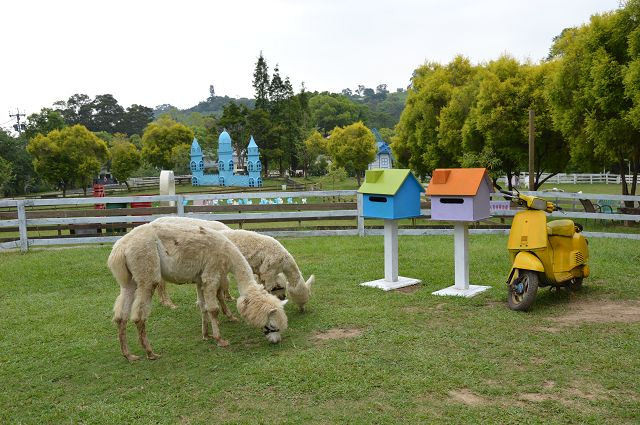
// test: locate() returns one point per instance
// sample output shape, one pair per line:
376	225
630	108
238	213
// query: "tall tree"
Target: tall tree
261	83
68	156
594	93
43	122
330	111
125	160
234	120
135	119
6	174
77	109
160	138
107	114
353	148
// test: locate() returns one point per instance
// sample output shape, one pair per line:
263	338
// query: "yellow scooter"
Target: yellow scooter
543	254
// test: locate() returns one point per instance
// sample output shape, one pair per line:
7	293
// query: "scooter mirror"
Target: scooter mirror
539	204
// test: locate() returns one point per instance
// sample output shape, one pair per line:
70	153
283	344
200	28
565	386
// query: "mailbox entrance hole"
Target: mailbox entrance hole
377	199
451	200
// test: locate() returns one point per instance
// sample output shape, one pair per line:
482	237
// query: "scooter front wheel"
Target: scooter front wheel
522	290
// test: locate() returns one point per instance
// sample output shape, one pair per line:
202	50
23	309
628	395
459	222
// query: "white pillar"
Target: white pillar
461	252
167	186
391	250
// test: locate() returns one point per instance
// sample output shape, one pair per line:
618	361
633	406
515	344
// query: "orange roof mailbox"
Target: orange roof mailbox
460	194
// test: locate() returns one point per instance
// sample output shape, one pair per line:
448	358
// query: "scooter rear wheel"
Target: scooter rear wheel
522	290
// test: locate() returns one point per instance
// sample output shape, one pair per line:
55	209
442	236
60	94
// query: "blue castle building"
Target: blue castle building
226	168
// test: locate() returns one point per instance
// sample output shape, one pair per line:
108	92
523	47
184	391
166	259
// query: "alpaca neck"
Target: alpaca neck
240	269
292	272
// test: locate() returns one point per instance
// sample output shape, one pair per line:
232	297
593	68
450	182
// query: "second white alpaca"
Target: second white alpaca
274	266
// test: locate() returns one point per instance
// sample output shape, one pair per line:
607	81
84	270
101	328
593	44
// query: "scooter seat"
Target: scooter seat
561	228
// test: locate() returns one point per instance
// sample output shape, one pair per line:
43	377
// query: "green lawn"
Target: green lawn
411	358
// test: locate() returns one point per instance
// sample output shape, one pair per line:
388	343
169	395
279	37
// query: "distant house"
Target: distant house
384	157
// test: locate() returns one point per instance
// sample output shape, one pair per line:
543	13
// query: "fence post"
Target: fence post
360	217
22	226
180	205
575	179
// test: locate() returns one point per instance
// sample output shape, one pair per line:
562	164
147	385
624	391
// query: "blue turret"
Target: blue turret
254	167
197	163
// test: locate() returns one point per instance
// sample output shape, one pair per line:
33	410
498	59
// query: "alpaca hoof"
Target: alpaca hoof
132	358
233	318
206	337
153	356
223	343
170	305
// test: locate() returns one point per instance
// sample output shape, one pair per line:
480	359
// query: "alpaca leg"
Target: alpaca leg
223	291
203	312
224	283
121	312
140	313
164	296
142	333
210	292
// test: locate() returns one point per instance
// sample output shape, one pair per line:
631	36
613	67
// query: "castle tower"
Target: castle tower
197	163
254	166
225	158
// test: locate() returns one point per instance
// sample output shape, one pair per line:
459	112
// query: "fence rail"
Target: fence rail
16	216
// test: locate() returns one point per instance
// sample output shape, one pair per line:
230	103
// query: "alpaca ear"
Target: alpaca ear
311	279
284	302
272	312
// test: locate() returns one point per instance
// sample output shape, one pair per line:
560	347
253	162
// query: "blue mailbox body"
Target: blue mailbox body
391	194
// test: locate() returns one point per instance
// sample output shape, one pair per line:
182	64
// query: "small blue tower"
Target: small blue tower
197	163
254	166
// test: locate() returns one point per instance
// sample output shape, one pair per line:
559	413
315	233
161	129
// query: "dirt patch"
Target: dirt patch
408	289
549	329
548	385
600	312
337	333
534	397
465	396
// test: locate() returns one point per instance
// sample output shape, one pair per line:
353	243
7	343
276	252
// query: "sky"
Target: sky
156	52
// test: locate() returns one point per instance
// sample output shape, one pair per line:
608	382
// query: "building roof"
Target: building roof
252	143
457	181
224	137
381	145
195	147
387	181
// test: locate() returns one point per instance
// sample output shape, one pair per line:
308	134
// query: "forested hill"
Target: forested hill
378	108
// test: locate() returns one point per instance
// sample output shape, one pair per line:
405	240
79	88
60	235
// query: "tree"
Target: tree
160	138
24	177
353	148
6	174
135	119
261	83
594	93
125	160
76	110
330	111
44	122
181	156
308	151
67	156
107	114
260	126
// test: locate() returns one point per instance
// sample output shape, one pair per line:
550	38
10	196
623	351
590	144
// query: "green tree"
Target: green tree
6	174
43	122
260	126
160	138
24	178
67	156
181	156
330	111
261	83
309	151
135	119
594	93
352	147
125	160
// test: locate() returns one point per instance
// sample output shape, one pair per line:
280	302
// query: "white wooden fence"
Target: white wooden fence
576	178
23	223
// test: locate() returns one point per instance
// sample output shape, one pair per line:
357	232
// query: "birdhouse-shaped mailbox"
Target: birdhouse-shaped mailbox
460	194
390	194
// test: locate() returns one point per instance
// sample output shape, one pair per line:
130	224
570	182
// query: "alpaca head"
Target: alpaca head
301	293
263	310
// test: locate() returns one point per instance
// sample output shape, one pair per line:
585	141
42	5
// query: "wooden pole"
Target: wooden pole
532	131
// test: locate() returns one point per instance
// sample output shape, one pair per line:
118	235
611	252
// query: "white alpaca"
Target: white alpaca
274	266
154	252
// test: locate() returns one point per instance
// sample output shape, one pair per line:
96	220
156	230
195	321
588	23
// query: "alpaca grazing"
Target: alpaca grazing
274	266
154	252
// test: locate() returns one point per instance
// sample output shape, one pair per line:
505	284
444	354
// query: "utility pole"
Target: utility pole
18	127
532	131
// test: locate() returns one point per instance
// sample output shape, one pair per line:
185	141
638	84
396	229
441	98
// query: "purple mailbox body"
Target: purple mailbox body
460	194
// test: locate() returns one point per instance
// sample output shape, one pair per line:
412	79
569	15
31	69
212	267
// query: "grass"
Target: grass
60	360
